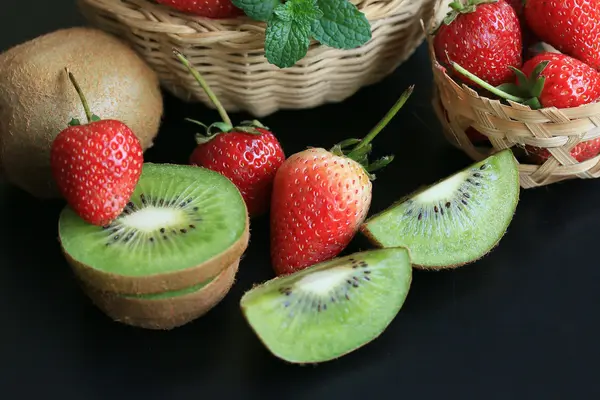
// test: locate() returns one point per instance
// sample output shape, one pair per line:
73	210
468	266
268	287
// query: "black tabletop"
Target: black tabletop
522	323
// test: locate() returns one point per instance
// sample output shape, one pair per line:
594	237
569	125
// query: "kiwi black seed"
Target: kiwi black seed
455	221
332	308
167	310
183	225
119	232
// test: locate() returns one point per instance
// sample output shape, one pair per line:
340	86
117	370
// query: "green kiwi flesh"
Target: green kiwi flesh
329	309
455	221
184	224
167	310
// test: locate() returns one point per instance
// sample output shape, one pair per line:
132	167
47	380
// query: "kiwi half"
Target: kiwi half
167	310
330	309
455	221
183	225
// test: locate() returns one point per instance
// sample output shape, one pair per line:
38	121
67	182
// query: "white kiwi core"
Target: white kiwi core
442	190
321	282
150	219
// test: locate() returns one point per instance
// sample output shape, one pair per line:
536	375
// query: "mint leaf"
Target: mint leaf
260	10
342	25
287	36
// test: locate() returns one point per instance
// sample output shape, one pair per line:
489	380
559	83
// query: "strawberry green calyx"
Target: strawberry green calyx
463	7
88	113
527	95
249	127
363	147
527	86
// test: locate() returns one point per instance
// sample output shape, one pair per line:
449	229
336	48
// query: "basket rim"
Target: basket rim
147	10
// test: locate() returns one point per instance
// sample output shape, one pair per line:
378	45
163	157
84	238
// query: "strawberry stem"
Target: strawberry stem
88	113
383	123
486	85
533	101
211	95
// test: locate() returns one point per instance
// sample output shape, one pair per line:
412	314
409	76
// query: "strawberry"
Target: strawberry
205	8
546	80
558	80
475	136
249	159
552	80
249	154
320	198
484	36
565	82
96	165
581	152
570	26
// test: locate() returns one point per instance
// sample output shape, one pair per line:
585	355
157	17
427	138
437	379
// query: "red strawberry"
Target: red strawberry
547	80
581	152
96	165
567	82
571	26
205	8
475	136
249	155
249	160
553	80
483	36
320	198
561	81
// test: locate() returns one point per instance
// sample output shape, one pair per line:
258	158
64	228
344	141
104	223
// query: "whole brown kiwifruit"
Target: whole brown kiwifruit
37	101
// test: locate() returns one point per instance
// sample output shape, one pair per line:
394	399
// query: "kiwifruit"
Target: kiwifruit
37	101
183	225
455	221
329	309
165	310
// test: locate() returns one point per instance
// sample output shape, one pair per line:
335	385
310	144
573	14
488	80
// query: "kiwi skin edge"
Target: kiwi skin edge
166	313
365	232
363	229
375	243
158	283
350	350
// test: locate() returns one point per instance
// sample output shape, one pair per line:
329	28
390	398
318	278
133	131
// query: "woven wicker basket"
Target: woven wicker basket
515	126
229	53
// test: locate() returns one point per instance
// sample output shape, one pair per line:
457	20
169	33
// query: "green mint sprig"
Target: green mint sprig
291	24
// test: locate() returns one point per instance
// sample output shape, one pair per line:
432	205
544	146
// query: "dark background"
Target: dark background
521	323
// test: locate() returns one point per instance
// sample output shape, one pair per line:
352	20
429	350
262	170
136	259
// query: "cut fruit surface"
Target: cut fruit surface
455	221
167	310
183	225
330	309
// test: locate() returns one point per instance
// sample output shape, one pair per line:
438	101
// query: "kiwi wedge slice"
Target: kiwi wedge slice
455	221
331	308
184	224
167	310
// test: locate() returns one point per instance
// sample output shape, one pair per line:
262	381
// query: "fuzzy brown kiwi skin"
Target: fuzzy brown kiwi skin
37	101
290	362
167	313
159	283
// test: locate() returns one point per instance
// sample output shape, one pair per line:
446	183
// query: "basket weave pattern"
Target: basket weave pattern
229	53
459	107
